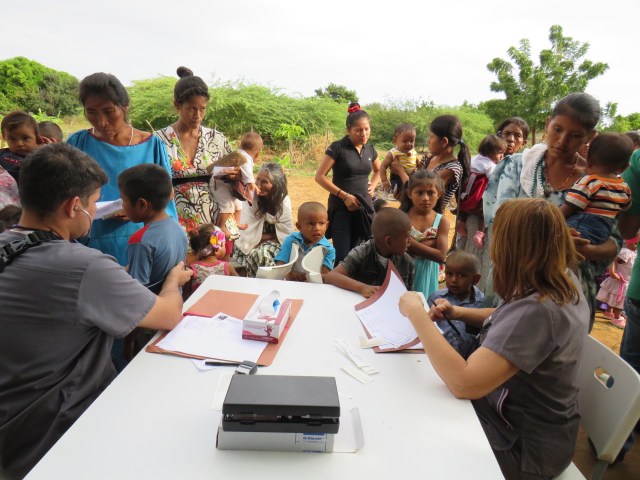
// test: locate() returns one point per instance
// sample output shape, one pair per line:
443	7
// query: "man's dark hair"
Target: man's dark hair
55	173
148	181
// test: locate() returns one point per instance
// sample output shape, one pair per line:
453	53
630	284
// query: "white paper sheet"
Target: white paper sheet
218	337
106	209
383	318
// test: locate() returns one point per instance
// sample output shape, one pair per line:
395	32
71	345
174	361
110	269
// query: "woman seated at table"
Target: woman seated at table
523	378
269	221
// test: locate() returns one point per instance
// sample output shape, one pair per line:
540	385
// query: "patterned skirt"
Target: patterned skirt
261	256
195	204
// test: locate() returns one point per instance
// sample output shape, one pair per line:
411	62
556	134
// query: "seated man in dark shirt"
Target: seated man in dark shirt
62	304
365	267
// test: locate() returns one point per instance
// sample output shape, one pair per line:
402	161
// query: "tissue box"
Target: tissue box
266	327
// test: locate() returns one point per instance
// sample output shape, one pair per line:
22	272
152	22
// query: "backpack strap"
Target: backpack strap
16	248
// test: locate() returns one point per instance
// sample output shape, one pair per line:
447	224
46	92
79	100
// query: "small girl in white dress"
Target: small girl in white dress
614	288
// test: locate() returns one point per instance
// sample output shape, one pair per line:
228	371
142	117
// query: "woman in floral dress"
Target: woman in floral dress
192	148
8	189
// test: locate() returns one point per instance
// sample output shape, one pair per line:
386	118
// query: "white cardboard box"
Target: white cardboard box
275	441
266	327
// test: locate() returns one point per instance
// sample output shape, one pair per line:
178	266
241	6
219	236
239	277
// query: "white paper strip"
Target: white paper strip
357	374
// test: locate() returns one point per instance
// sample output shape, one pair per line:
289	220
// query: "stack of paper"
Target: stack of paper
106	210
381	317
218	337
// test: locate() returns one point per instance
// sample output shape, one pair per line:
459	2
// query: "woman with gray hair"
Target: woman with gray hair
269	219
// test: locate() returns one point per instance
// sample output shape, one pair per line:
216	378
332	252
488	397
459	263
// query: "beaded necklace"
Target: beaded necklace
548	188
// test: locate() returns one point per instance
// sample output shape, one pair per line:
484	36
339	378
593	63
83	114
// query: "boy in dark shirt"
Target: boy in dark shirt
365	267
461	273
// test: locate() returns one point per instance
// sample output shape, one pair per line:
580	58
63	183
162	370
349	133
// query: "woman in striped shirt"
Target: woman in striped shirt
445	133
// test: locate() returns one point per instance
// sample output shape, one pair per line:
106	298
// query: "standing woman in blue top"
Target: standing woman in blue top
350	201
115	145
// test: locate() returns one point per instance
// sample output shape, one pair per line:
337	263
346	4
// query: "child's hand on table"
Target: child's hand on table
368	290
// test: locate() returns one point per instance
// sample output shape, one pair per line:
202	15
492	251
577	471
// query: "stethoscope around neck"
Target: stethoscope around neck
88	236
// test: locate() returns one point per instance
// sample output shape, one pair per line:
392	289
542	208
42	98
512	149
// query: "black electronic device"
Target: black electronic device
278	403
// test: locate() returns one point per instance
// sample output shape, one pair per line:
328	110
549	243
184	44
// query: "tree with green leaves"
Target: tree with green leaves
152	103
531	89
619	123
30	86
337	93
235	108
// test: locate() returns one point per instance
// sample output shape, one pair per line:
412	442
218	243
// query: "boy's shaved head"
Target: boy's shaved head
309	208
464	260
390	221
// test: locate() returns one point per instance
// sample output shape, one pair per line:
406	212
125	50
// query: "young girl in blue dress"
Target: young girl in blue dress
429	229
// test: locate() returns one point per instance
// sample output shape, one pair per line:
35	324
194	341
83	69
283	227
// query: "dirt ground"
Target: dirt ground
305	189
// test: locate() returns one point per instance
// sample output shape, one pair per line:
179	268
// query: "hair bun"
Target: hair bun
184	72
353	107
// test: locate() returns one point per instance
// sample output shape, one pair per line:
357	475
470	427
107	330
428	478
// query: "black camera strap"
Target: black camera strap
16	248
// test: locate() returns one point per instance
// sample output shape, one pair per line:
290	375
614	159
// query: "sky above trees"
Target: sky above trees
385	51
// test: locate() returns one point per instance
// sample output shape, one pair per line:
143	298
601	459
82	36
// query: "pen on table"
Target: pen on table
215	363
447	319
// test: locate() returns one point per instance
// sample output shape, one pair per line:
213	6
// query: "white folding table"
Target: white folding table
156	419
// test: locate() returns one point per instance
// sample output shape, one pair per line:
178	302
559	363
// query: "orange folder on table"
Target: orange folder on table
237	305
